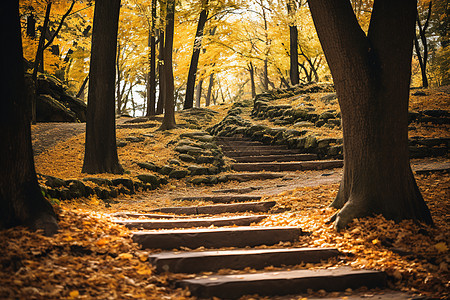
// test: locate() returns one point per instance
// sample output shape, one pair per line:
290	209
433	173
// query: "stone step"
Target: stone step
195	262
252	148
425	168
238	143
190	223
273	158
263	206
137	125
243	177
232	139
140	215
216	238
288	166
244	190
260	152
221	198
282	282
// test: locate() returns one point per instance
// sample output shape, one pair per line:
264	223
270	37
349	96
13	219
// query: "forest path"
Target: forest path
215	254
219	250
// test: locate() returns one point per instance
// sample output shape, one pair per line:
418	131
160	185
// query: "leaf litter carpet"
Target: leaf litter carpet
93	258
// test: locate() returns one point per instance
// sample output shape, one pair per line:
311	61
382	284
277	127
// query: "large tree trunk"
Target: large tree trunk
190	85
372	75
101	150
169	105
151	84
21	200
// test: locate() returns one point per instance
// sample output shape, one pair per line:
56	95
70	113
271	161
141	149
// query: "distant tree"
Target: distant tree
169	105
372	75
190	86
39	59
422	54
209	92
101	150
21	199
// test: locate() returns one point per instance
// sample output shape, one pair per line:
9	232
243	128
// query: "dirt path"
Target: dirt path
46	135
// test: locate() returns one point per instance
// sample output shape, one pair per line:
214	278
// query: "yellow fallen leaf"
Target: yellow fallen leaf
441	247
74	294
375	241
125	256
143	257
102	241
144	271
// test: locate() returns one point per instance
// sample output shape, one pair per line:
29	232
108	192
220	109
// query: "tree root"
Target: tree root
346	215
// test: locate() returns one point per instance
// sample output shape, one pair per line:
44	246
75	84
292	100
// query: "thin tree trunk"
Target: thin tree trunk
21	199
169	106
210	86
82	87
52	38
31	26
100	148
190	85
39	59
151	84
372	75
198	94
251	69
162	82
293	38
119	79
422	34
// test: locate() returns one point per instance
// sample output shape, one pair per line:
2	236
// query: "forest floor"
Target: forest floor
94	258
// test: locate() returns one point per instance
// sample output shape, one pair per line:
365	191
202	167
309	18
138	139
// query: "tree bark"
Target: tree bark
31	26
101	149
151	84
162	83
198	94
118	81
293	45
190	85
371	76
251	69
210	86
82	88
169	105
21	199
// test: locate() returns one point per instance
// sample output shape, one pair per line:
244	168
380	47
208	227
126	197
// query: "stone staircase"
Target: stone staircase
253	156
206	227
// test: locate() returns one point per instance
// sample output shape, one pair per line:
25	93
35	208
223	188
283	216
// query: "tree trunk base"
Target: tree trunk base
371	197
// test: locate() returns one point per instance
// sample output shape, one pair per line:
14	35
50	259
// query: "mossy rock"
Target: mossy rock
54	182
148	166
178	174
149	178
99	181
187	158
126	183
